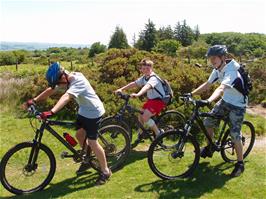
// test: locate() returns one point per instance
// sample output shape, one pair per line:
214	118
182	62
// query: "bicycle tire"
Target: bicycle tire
191	152
6	163
112	120
171	120
116	143
248	140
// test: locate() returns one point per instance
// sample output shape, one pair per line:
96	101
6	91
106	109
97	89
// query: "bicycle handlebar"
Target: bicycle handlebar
200	103
123	96
197	103
32	110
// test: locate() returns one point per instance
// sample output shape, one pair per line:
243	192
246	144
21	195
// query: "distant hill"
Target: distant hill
35	46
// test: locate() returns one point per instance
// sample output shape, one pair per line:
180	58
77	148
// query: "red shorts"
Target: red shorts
155	106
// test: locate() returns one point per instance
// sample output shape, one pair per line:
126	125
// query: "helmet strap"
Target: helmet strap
66	76
222	63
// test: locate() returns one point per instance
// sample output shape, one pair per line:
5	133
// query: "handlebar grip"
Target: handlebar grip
33	110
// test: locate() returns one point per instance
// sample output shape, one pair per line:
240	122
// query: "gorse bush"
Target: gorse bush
116	68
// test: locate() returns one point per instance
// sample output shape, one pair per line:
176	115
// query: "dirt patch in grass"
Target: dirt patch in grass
260	142
257	110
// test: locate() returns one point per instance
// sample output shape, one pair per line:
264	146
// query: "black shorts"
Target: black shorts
90	125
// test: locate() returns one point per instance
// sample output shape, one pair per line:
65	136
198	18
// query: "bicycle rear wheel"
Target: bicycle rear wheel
170	158
116	144
228	152
171	120
20	175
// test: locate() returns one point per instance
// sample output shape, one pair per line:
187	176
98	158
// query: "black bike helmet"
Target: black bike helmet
217	50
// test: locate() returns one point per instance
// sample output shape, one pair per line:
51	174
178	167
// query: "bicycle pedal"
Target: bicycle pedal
64	154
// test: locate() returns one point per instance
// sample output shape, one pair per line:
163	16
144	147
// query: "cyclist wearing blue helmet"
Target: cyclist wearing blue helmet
232	103
89	115
53	74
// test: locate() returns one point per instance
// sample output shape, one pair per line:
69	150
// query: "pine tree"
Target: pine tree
147	38
184	34
165	33
118	39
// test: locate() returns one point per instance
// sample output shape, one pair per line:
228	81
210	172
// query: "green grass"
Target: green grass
25	70
135	179
258	122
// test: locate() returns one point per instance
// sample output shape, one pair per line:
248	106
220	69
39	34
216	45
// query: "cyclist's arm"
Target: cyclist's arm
45	94
218	92
144	89
203	87
130	85
62	102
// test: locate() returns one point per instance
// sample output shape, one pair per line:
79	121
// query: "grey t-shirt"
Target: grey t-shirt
154	82
228	76
90	105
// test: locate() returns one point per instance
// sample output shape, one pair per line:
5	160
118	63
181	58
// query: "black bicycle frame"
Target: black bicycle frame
131	110
46	125
196	116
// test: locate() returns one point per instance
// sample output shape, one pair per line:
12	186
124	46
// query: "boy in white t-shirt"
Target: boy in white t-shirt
89	115
233	103
150	84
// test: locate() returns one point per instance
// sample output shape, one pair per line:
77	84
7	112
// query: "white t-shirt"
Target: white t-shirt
90	105
228	76
155	83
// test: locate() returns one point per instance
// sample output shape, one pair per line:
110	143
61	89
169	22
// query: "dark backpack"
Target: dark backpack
246	86
169	94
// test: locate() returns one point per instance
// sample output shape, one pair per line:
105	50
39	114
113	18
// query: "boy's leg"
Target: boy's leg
80	135
236	118
100	154
146	118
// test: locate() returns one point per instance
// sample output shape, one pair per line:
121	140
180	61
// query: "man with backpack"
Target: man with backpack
233	103
153	85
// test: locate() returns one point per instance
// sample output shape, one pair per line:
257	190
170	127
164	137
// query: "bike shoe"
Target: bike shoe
206	152
239	168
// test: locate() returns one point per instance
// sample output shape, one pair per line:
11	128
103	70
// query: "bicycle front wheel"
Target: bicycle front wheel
20	174
228	152
116	144
171	157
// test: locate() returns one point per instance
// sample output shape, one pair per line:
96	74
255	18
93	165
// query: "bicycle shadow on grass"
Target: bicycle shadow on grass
205	179
64	187
77	183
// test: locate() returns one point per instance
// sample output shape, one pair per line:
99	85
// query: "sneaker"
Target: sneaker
103	178
206	152
83	167
239	168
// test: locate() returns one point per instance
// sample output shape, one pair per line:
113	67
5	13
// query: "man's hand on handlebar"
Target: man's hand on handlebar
118	91
45	115
134	95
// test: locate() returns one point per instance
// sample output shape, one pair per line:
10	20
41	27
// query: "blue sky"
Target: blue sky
88	21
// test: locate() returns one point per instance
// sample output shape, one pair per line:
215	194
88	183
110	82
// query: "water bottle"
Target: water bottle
70	139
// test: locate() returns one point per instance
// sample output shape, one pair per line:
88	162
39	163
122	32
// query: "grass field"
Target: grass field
135	180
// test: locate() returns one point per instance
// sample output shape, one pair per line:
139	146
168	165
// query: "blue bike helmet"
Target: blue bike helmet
217	50
53	74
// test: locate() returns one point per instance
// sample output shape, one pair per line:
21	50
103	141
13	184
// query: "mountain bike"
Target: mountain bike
176	153
30	166
127	113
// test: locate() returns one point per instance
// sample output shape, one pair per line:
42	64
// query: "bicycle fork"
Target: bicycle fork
181	143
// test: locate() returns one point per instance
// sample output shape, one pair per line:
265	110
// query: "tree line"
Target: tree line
178	41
